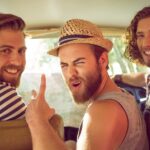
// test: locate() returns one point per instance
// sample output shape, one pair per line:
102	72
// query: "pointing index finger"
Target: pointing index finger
42	87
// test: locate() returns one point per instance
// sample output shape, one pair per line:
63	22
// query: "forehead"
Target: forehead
73	51
144	24
12	37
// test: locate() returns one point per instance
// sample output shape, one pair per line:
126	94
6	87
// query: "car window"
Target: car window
38	62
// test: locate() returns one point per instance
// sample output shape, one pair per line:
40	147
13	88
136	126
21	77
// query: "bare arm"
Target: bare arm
45	138
134	79
38	113
104	127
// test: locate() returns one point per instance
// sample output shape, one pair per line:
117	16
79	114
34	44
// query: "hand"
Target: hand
38	109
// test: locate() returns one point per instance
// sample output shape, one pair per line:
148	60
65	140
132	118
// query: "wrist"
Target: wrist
118	78
34	124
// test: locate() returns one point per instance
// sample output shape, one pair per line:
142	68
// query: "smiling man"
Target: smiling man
14	132
112	119
12	64
13	128
138	49
143	39
12	55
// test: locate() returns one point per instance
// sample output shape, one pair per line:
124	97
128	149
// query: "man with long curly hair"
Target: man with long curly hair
138	47
138	51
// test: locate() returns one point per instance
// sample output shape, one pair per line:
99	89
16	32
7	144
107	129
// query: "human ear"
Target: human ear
103	60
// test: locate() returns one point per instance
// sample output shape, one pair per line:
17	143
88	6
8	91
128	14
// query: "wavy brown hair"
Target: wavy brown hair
132	52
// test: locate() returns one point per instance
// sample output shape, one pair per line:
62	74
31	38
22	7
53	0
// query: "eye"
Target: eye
63	66
22	51
140	36
5	51
79	62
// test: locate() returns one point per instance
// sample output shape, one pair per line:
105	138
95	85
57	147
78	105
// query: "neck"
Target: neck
101	87
107	85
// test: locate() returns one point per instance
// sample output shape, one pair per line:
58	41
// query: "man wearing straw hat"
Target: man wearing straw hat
112	119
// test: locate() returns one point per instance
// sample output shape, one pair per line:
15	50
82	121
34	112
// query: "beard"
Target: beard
145	57
13	80
90	84
147	61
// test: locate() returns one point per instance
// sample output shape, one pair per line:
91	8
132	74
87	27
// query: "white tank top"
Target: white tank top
136	136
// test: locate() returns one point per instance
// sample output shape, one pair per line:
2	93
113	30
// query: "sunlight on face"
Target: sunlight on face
81	70
12	56
143	39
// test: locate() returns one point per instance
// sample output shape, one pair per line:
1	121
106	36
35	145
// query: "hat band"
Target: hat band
69	38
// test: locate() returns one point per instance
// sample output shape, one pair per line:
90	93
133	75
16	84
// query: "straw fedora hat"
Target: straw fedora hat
81	31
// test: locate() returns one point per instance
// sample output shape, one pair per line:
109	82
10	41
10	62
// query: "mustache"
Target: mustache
74	78
18	67
146	48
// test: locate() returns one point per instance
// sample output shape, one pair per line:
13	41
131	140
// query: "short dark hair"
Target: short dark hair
11	21
132	52
98	51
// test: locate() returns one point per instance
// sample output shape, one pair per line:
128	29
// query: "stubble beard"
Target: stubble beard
13	81
91	83
145	57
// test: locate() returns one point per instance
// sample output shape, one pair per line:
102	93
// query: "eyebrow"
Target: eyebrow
76	60
141	31
4	46
138	32
8	46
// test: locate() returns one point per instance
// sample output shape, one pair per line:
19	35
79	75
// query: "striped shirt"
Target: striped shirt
11	105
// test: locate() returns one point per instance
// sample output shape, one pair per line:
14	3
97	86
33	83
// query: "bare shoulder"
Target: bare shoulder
105	107
106	111
102	120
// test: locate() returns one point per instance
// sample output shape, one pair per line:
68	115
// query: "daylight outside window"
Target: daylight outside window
57	93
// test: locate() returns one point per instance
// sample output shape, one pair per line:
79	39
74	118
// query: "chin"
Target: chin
80	100
13	82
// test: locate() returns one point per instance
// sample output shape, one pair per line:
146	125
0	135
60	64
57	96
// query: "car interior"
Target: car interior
44	19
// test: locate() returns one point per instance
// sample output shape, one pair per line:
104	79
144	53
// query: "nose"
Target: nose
72	71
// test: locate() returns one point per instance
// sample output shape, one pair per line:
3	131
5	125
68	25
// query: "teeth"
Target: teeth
75	82
12	70
147	52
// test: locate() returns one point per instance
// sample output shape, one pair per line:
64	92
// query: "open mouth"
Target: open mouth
75	84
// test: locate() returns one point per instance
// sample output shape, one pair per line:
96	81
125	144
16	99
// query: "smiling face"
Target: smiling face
12	56
81	70
143	39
